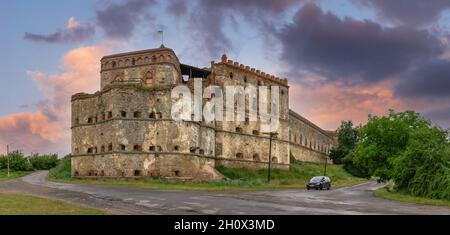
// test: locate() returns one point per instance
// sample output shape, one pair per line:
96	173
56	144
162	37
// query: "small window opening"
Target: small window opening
137	148
256	157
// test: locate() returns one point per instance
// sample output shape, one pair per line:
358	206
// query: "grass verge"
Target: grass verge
398	196
13	174
239	179
13	204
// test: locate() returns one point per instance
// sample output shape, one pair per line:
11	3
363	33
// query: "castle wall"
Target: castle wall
242	143
126	130
309	143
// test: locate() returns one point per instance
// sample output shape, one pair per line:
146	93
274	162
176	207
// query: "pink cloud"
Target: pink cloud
330	103
48	128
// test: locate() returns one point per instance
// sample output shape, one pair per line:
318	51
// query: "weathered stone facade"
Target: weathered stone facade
126	129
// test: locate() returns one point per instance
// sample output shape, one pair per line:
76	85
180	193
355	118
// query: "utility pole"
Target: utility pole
325	170
7	155
271	135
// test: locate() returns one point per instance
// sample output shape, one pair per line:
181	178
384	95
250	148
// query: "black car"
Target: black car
319	182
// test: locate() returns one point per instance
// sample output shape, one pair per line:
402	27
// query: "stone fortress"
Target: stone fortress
126	129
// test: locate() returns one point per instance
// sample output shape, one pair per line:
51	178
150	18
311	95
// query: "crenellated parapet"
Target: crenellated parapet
139	58
257	72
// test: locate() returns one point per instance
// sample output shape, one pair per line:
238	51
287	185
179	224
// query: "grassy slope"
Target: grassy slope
397	196
239	179
12	204
13	174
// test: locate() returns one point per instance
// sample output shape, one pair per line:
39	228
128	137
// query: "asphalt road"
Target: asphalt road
123	200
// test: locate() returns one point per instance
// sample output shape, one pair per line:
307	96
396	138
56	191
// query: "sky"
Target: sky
345	59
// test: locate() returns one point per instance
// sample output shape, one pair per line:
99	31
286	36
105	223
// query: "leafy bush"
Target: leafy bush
43	162
347	137
17	162
407	148
63	169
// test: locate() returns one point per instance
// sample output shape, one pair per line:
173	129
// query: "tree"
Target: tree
347	137
383	139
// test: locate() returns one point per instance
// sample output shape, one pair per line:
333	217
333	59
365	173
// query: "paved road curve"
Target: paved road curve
123	200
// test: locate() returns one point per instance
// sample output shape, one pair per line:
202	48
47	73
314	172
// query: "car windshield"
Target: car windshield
316	179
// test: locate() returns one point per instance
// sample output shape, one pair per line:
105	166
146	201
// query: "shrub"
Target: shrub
63	169
44	162
17	162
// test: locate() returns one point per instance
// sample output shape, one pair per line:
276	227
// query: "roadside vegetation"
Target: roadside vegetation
402	197
402	147
238	179
13	204
20	165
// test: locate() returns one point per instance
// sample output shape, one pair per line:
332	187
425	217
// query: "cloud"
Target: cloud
352	50
329	103
75	32
206	19
177	7
408	12
47	129
118	20
430	80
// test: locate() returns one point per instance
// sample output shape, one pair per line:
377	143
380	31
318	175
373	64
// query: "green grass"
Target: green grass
398	196
13	204
12	174
239	179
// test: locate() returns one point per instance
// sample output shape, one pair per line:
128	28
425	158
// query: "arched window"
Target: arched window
176	148
152	115
275	160
152	148
239	155
110	147
123	114
102	149
137	114
238	130
123	147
